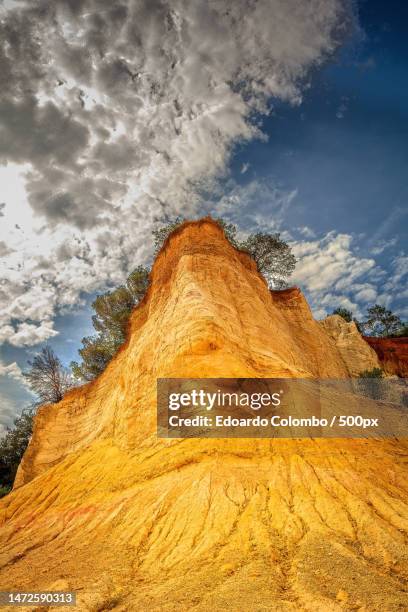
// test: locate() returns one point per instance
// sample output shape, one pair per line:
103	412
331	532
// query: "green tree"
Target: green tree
381	322
160	235
230	231
137	283
112	312
402	332
12	448
47	377
346	314
96	353
273	256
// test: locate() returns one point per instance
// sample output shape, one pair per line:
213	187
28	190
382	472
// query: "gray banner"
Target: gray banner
282	408
37	599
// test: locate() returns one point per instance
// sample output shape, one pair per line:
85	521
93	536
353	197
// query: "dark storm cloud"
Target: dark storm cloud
73	199
21	57
151	73
122	111
40	134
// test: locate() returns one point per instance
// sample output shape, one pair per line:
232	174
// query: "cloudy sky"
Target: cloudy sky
287	115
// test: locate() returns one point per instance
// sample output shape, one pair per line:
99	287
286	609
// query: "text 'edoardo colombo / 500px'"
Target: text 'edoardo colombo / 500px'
288	408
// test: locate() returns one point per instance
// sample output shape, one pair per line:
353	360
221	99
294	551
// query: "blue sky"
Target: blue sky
345	147
329	172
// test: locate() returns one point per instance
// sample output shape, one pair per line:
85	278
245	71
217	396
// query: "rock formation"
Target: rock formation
392	354
356	354
133	522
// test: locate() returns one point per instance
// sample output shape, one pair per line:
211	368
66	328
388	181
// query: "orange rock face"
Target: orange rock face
356	354
133	522
392	354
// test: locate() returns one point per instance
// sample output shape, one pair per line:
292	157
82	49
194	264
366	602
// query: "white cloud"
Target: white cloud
400	264
395	278
12	370
381	245
28	334
329	262
9	410
260	205
306	231
112	114
11	404
329	302
329	269
396	214
393	287
366	294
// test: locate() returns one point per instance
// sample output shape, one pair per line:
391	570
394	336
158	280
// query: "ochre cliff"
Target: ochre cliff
356	353
133	522
392	354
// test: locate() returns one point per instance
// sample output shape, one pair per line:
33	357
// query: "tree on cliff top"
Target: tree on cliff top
47	377
344	313
112	311
402	332
273	255
162	233
381	322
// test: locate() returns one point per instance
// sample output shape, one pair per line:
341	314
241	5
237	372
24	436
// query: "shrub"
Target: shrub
374	373
12	448
346	314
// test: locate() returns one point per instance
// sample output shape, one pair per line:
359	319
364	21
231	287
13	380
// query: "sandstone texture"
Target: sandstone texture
392	354
133	522
355	352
